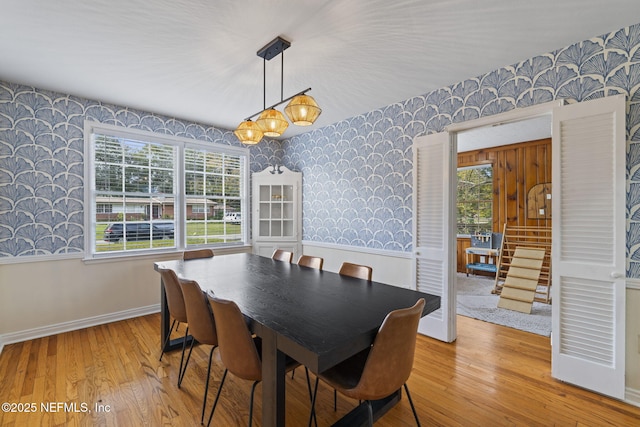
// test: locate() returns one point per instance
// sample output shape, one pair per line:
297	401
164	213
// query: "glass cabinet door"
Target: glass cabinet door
276	211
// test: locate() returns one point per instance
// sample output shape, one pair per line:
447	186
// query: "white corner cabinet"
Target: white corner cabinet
276	211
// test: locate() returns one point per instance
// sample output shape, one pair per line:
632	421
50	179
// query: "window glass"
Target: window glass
475	200
213	188
135	203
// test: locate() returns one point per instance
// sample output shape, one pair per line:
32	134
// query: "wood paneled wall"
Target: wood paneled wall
516	169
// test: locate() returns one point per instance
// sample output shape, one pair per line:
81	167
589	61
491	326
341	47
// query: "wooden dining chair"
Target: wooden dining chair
311	261
281	255
239	351
197	254
177	310
202	326
356	270
383	368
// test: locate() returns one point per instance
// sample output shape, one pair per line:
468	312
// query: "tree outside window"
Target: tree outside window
475	200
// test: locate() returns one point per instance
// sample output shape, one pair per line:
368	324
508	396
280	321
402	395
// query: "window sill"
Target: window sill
162	255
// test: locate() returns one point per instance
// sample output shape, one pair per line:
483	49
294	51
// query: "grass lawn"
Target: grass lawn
198	232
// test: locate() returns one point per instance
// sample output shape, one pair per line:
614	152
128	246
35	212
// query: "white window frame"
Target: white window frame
180	143
476	166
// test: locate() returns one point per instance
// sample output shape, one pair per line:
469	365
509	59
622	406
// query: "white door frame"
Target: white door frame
511	117
516	115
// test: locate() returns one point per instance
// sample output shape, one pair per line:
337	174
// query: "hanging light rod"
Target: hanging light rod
302	110
274	48
281	102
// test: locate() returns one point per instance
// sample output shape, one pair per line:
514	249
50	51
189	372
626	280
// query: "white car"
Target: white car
233	216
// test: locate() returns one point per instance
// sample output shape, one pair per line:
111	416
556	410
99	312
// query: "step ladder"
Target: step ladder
521	283
527	237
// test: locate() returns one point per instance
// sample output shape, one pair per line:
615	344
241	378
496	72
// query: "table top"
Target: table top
320	317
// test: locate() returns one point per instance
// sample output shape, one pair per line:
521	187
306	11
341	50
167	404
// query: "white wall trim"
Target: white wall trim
39	258
159	255
511	116
633	283
632	396
73	325
371	251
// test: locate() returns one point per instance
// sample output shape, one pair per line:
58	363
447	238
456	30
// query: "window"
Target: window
104	208
151	192
198	209
475	199
213	188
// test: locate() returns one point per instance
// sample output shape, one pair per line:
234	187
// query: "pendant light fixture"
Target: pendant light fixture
272	122
302	110
249	132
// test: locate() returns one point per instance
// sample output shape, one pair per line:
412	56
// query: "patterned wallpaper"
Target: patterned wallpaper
357	174
42	164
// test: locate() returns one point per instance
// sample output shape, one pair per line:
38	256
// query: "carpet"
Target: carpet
475	300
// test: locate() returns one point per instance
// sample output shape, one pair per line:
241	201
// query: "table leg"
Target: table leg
164	318
273	381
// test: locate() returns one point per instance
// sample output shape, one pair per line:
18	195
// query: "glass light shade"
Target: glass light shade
249	132
303	110
272	122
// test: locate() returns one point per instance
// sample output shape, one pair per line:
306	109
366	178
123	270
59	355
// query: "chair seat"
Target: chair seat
346	375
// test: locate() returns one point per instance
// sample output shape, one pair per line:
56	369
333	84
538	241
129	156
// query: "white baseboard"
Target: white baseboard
632	396
73	325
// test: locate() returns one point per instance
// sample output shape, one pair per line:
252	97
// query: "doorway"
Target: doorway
588	152
514	159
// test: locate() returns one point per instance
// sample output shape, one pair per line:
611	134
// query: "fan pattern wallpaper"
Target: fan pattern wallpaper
357	173
42	164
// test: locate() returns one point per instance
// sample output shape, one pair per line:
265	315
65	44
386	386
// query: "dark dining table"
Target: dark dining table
317	317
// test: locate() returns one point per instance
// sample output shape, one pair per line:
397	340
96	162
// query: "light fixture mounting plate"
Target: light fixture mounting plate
274	48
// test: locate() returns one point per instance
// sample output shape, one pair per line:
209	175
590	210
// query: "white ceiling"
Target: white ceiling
196	59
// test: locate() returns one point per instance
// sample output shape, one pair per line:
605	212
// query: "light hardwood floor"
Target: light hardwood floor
491	376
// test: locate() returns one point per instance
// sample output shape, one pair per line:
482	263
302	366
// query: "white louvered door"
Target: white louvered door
588	252
434	163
